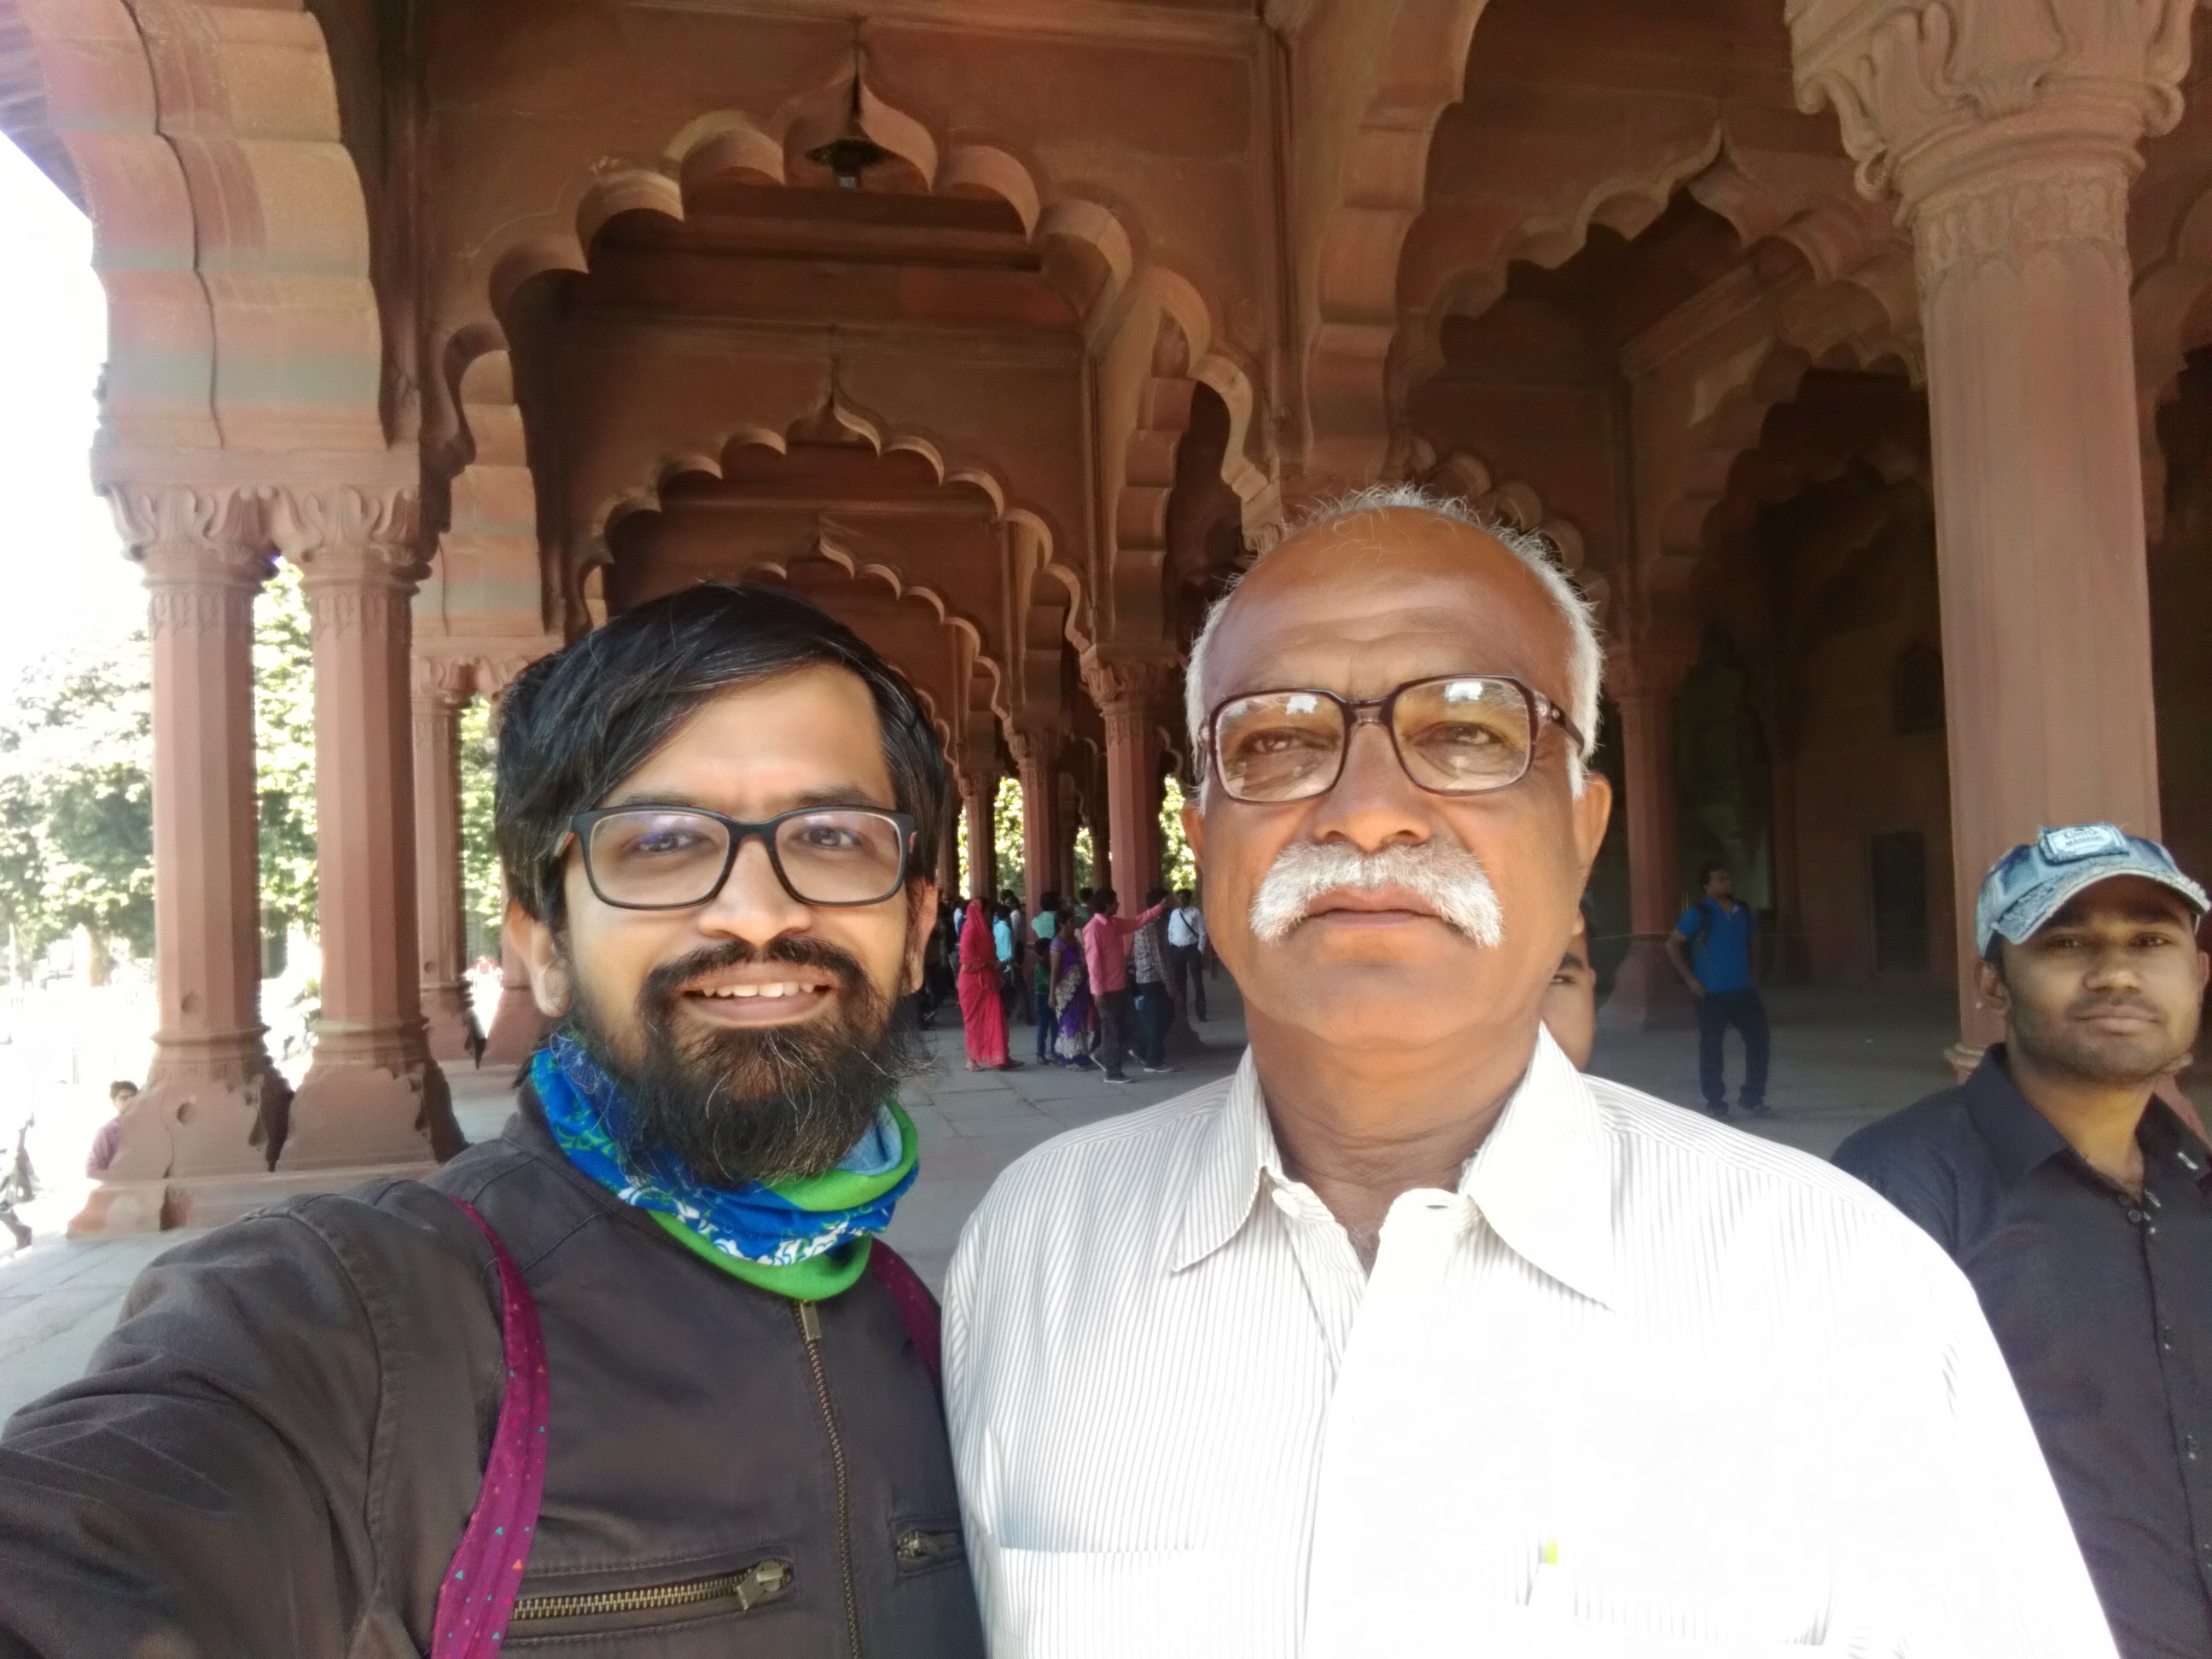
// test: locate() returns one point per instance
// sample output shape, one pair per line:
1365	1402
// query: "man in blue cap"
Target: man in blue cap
2079	1205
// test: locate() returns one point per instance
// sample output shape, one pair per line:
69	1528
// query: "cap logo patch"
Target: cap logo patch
2077	842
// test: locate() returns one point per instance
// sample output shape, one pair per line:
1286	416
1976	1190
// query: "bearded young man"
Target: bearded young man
2079	1205
1409	1339
716	815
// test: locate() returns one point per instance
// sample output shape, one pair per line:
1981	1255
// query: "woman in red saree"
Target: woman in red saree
982	1012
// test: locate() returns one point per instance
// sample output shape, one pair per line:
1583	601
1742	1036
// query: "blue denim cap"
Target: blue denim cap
2026	887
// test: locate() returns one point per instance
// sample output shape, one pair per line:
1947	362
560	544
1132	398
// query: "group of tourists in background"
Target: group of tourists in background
1099	988
1411	1337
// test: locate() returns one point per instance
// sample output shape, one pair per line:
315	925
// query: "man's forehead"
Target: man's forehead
2122	899
1429	594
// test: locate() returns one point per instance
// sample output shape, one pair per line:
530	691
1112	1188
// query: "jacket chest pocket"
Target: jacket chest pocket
755	1590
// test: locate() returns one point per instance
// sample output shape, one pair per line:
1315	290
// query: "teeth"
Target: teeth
778	990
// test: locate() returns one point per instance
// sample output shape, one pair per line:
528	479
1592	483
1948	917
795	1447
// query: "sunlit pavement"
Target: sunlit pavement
1842	1058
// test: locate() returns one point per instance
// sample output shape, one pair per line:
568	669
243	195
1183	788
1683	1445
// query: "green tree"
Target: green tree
284	749
77	802
484	896
1178	869
1007	835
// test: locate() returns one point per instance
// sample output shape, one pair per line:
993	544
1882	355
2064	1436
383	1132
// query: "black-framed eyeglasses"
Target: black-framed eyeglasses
673	858
1457	734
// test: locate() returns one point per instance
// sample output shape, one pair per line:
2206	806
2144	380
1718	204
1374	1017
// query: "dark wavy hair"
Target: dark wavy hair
574	725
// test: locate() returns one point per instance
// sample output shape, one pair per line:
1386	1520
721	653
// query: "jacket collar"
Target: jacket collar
1542	1179
2020	1138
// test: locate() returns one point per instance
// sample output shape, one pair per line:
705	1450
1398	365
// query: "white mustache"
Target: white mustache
1448	876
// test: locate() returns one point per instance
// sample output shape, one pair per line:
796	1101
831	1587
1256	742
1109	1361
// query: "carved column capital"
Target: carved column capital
1643	669
193	534
1125	686
442	683
1931	94
348	534
1032	747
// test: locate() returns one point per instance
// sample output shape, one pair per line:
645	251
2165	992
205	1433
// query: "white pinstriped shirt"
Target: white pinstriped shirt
1642	1386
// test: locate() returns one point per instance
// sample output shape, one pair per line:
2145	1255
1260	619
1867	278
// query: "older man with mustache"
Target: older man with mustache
1408	1338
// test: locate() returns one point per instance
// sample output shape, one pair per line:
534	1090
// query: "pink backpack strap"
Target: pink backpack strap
916	1307
478	1595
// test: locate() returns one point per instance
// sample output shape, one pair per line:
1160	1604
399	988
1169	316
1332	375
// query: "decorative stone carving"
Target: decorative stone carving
1925	93
2009	218
347	532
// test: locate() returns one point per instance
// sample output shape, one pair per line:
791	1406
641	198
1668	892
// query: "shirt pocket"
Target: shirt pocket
1094	1604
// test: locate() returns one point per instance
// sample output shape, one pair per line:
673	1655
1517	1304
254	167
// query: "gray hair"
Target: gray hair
1585	661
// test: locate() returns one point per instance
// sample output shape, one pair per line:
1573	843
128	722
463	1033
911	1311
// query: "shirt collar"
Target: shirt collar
1542	1178
2019	1138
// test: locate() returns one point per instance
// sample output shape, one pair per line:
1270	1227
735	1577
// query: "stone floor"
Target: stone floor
1841	1058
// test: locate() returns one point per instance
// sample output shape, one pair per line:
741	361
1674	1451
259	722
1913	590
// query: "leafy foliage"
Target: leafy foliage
484	896
284	749
76	818
1178	867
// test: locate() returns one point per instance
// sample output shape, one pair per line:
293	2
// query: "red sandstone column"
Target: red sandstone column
441	686
1647	993
2019	221
979	791
373	1096
1124	691
206	556
1035	752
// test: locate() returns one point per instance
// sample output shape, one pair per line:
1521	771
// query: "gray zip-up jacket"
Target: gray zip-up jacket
275	1454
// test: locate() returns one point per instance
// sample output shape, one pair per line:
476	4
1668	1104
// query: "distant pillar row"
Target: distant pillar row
1647	992
1037	756
211	1097
1125	692
372	1097
979	790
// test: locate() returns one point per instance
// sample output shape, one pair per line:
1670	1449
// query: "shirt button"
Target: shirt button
2136	1216
2188	1447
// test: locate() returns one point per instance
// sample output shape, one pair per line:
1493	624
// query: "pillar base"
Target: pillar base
1648	994
517	1028
145	1206
370	1111
450	1025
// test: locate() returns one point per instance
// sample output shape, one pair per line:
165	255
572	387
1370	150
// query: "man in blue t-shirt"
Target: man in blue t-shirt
1710	948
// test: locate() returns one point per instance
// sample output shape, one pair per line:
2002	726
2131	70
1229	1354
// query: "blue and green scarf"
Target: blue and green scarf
806	1238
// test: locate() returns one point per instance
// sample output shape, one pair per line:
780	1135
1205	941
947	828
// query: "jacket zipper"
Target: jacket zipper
809	1328
763	1581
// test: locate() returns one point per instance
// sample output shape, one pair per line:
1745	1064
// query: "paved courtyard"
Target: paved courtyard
1841	1058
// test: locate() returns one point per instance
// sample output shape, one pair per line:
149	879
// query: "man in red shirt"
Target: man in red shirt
1106	953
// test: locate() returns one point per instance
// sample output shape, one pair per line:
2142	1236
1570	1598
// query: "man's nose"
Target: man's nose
753	905
1375	805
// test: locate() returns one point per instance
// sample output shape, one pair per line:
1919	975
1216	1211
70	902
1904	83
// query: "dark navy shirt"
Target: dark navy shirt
1720	954
2102	1302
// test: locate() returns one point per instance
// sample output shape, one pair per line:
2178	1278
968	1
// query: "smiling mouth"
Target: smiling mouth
762	1002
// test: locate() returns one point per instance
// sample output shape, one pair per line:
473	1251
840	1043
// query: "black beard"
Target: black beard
740	1106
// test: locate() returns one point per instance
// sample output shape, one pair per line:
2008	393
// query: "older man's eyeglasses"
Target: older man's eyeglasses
672	858
1460	734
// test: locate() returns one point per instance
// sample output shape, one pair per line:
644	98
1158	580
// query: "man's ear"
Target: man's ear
921	917
1593	809
1989	988
1194	825
541	958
